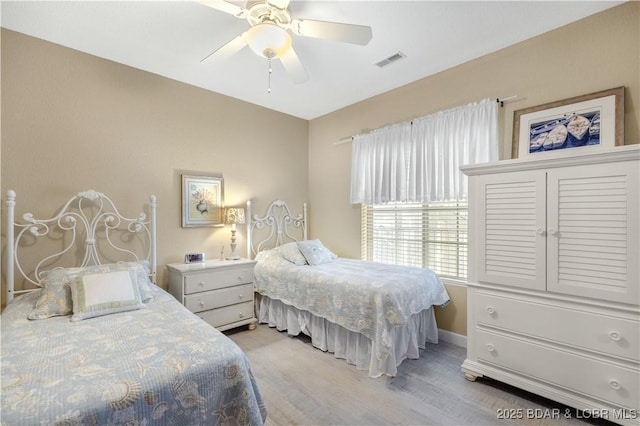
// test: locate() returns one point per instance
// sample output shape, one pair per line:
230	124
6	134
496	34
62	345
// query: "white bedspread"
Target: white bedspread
365	297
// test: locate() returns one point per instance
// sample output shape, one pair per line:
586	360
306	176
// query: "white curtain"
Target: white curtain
380	165
420	161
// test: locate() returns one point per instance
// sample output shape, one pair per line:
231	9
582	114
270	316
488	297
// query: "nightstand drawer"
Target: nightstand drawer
205	301
229	314
213	280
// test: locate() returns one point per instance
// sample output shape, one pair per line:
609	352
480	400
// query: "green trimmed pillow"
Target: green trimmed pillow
104	293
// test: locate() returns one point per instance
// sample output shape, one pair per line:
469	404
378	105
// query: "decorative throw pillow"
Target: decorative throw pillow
141	269
315	252
97	294
291	252
55	296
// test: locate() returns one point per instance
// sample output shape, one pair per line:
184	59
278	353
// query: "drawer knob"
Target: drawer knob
614	384
241	315
490	347
490	310
201	284
614	335
240	296
239	277
201	304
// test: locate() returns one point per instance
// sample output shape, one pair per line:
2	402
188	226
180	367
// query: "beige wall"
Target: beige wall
71	121
597	53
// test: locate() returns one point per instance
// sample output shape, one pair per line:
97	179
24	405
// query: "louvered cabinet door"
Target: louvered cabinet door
511	228
592	231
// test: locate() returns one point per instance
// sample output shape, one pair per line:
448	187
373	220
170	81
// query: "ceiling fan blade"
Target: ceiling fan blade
279	4
348	33
294	67
225	6
229	49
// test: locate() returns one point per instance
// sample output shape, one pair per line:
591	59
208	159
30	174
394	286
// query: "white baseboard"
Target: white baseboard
453	338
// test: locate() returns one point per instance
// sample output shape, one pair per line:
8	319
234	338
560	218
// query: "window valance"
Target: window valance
419	161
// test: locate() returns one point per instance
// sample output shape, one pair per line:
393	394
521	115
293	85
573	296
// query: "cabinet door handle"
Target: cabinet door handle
614	335
615	385
540	231
552	231
490	310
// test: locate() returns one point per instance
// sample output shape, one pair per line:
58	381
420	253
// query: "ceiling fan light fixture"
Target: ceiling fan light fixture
268	40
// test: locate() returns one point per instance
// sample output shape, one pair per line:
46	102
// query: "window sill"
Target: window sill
453	281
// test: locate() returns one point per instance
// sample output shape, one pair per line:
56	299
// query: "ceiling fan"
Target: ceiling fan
269	37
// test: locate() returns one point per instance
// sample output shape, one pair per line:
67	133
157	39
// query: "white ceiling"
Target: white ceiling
169	38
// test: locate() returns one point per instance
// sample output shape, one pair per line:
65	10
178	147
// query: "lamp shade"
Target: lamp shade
234	215
268	40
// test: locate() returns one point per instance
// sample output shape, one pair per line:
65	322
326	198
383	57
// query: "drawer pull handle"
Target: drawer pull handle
614	335
490	310
491	348
614	384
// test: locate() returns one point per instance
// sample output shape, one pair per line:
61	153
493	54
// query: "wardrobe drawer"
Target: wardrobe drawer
615	336
207	300
613	383
228	314
215	279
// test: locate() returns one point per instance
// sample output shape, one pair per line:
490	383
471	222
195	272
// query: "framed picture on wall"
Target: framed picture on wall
202	202
588	122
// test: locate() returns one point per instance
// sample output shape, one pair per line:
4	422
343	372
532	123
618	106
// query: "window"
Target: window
430	235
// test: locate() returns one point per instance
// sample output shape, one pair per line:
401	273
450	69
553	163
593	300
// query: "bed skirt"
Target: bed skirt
353	347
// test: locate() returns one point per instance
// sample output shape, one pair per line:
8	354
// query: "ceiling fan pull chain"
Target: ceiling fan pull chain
269	76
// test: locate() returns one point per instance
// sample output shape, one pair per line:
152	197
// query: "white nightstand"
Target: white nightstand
218	291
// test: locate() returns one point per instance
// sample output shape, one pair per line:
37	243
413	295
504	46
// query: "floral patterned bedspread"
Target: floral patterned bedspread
160	365
365	297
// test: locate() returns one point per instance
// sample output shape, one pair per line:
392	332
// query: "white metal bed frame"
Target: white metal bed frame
89	212
279	224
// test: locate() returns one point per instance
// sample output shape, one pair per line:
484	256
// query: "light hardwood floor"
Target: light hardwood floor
305	386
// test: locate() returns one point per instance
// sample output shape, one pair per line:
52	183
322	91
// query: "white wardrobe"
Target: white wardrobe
553	293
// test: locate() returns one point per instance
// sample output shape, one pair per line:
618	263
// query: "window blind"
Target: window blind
430	235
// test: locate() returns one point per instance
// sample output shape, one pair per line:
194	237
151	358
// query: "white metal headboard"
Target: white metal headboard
279	225
90	213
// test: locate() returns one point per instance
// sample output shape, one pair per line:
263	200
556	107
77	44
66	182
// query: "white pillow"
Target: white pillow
291	252
315	252
96	294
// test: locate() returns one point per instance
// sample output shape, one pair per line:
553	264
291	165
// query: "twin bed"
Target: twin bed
370	314
101	343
